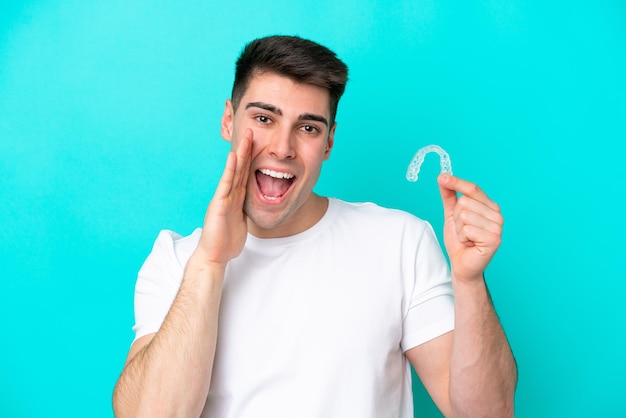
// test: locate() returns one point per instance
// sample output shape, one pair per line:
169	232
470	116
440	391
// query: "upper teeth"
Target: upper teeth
276	174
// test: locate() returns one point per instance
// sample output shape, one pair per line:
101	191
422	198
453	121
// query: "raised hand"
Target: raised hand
472	227
225	229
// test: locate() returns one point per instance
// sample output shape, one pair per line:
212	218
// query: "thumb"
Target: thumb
448	194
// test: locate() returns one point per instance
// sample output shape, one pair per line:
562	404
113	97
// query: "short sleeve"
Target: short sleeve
158	282
431	308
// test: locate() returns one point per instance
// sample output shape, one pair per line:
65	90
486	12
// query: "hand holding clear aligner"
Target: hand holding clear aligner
418	159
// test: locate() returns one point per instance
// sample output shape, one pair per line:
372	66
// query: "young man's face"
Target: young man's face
291	138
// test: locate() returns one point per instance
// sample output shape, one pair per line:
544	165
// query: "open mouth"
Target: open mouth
273	184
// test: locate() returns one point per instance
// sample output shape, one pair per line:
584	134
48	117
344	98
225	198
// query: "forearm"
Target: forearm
171	375
483	373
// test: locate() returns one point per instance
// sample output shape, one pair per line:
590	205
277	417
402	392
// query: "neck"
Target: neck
302	219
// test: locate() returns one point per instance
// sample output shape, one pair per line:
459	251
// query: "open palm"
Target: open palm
225	230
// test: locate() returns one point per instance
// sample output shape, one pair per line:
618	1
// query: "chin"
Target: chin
264	219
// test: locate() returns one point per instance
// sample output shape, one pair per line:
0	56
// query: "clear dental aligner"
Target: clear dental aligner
418	159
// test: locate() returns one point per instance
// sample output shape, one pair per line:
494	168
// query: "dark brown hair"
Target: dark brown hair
299	59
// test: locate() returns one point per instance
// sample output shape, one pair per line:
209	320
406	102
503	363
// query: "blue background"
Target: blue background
109	132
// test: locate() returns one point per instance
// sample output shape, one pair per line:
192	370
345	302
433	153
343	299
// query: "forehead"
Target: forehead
285	93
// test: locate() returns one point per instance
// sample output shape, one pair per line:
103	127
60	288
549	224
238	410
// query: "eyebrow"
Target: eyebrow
313	117
265	106
277	111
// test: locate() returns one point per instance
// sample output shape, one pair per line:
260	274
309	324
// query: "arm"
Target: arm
471	371
169	373
483	373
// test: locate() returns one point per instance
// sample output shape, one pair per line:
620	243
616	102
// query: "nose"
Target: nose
281	145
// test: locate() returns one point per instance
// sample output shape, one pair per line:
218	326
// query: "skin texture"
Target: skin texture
280	126
471	371
288	137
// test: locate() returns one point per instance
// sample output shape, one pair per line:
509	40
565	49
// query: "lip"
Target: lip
274	201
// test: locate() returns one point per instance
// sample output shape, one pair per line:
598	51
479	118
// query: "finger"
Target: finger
246	171
467	205
226	180
463	217
473	236
243	159
448	196
449	182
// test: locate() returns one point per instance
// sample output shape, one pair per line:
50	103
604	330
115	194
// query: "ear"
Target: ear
227	121
330	142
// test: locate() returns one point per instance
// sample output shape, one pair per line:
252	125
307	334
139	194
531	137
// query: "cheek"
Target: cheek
315	158
258	143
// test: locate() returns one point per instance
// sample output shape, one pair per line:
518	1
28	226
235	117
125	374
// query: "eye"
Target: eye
310	129
263	119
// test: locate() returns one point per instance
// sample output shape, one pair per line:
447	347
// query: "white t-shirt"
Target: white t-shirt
315	324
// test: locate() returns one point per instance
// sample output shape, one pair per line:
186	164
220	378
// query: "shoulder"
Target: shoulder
380	226
374	215
171	251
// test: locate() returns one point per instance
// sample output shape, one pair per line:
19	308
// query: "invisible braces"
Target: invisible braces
418	159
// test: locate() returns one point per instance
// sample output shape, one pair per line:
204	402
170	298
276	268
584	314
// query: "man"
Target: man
320	304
